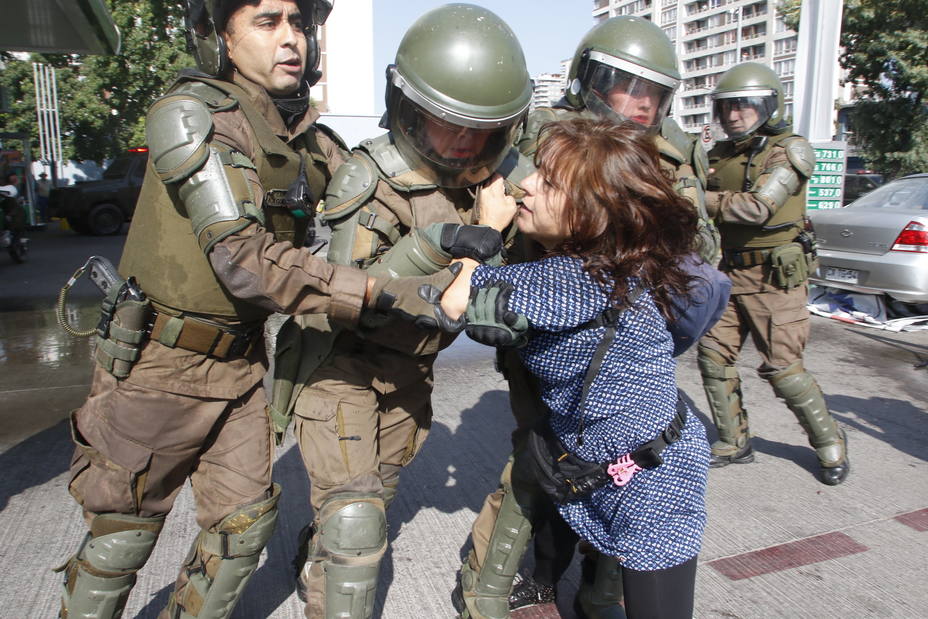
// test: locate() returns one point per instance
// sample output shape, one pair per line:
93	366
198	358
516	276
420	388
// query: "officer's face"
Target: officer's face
451	142
639	105
267	45
541	214
739	117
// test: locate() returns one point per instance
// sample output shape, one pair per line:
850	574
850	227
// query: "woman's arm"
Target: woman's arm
456	296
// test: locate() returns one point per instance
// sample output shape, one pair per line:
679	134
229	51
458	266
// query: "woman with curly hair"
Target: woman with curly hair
599	303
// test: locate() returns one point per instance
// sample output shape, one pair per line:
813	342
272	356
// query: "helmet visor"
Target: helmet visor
620	95
319	12
738	116
451	154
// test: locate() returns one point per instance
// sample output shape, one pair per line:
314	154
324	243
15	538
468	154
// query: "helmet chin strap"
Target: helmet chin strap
294	106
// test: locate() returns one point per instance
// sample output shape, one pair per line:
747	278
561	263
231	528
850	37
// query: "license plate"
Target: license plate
847	276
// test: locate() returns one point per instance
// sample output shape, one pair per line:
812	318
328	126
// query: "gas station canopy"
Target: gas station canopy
58	26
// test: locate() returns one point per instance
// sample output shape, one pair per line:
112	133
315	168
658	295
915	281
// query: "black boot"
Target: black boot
834	475
742	456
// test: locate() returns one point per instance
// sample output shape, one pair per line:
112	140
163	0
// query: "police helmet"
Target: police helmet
625	69
748	98
457	94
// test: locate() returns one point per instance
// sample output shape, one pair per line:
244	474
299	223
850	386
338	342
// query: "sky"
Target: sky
549	30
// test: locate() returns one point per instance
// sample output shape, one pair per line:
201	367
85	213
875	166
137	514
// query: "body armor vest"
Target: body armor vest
785	224
161	250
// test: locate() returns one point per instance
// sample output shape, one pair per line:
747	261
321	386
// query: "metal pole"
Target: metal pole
56	129
40	116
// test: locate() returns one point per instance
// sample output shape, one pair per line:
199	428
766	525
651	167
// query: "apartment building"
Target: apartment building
548	89
710	37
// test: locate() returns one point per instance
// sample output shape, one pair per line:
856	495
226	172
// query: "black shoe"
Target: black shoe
527	592
834	475
742	456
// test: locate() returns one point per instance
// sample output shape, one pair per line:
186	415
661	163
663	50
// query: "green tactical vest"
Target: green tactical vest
161	250
729	168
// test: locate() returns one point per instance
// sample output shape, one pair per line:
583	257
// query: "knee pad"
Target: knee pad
346	549
804	397
100	575
222	559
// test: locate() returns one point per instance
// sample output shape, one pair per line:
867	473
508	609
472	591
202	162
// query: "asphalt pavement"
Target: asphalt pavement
778	542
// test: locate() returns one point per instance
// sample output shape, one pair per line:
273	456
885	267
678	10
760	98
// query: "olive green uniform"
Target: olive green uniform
187	401
366	411
768	271
502	528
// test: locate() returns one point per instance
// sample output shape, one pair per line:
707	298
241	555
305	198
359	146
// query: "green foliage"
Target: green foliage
103	99
789	10
886	49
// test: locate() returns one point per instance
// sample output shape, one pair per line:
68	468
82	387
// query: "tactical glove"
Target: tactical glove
414	298
482	243
491	322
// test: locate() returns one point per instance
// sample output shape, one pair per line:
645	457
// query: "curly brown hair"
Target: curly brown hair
624	216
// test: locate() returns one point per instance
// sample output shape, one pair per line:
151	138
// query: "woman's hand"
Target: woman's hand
494	207
456	296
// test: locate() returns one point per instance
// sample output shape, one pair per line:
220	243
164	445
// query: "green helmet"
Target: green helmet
457	94
206	19
625	69
748	98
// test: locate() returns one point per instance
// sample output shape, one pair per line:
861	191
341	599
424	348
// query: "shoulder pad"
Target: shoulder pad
800	154
353	184
177	129
391	167
332	135
700	162
675	143
214	98
538	118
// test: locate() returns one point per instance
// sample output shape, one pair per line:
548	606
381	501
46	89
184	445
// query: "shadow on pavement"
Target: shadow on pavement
895	422
35	461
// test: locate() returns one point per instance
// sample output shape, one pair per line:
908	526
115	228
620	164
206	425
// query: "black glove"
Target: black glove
413	298
478	242
489	319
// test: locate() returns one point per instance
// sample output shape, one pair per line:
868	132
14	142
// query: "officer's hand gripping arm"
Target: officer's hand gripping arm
491	322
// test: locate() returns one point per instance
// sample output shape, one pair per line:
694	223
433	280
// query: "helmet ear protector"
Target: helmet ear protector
208	47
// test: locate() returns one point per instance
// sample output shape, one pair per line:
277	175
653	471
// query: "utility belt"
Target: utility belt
128	319
790	264
566	477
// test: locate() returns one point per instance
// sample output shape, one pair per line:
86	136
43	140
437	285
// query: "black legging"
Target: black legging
555	543
661	594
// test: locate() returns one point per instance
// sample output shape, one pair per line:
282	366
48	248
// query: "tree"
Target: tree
103	99
886	50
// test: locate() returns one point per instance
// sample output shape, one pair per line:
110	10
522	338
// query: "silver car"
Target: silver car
878	243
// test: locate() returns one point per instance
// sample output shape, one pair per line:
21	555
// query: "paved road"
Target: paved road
778	543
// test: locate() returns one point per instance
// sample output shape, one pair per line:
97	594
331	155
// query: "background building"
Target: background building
711	36
549	88
347	44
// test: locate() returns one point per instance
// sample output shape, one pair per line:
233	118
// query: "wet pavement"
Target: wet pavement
778	543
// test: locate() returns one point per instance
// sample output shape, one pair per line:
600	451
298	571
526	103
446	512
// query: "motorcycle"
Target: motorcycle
12	224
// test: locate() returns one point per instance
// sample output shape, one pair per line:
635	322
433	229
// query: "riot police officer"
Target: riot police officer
236	167
624	69
404	203
759	173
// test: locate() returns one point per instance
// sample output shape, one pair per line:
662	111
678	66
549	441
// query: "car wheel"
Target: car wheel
105	219
18	251
78	225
